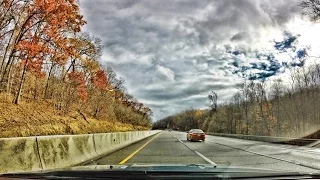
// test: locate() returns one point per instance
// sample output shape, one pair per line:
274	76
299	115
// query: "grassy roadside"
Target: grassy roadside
40	118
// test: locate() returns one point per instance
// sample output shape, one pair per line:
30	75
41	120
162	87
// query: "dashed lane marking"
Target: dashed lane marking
196	152
205	158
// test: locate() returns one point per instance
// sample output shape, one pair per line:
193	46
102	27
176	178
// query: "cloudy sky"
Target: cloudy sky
172	53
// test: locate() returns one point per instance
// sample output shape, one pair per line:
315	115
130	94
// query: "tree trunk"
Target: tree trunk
247	118
35	88
71	66
12	42
278	118
19	93
301	110
9	80
47	83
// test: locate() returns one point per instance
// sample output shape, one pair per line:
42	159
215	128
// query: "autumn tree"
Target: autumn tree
36	30
45	56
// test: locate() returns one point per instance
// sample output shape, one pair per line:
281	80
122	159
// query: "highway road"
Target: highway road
171	147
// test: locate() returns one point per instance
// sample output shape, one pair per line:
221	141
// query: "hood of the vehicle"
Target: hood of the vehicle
173	167
170	168
174	170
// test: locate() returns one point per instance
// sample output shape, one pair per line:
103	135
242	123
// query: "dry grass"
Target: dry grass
40	118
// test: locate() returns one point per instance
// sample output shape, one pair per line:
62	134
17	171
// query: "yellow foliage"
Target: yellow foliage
40	118
198	113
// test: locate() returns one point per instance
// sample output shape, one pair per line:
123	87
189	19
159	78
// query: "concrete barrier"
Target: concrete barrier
19	154
51	152
252	137
270	139
109	142
64	150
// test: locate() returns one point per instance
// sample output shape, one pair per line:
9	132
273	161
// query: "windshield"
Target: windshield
196	130
224	83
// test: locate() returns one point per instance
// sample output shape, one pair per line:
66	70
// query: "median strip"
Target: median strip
135	152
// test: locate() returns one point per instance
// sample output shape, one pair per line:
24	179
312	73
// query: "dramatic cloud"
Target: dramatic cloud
168	73
172	53
268	64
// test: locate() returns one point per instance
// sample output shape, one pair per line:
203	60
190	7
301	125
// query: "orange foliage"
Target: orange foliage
77	78
100	79
44	42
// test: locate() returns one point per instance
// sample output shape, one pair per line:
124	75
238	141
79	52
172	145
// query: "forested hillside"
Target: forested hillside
260	108
46	60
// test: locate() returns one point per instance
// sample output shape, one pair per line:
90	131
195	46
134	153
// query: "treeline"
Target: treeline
260	108
44	56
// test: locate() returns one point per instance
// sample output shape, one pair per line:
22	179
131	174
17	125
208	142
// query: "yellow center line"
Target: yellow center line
131	155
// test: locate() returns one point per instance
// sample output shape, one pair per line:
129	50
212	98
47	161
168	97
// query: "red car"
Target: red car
196	134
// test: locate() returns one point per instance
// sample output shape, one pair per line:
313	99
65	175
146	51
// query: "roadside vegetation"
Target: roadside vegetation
50	75
255	110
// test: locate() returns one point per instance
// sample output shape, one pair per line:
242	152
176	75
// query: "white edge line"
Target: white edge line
205	158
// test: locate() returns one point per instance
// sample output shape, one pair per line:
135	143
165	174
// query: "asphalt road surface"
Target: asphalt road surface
171	147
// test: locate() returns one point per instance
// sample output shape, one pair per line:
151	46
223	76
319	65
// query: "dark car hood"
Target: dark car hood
195	170
174	167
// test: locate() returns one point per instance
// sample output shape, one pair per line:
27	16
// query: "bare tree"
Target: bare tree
276	95
263	104
236	101
213	99
311	9
245	104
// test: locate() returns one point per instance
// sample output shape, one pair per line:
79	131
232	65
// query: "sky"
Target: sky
172	53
